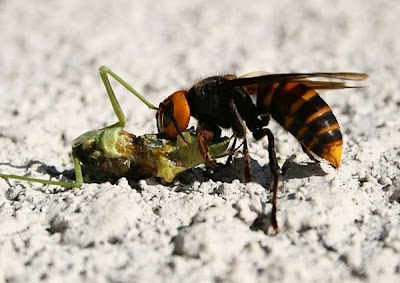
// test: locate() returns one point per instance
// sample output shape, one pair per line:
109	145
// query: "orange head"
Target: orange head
173	114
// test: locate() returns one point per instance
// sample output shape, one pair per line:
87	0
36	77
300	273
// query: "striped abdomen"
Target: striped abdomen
302	112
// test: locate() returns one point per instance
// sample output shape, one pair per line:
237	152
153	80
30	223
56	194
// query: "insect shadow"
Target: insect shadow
295	170
260	173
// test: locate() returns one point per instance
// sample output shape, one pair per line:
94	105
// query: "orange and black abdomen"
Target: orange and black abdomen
301	111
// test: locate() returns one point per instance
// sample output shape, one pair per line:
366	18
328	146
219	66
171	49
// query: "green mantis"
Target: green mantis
117	153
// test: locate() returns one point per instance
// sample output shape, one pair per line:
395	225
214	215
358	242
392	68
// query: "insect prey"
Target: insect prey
117	153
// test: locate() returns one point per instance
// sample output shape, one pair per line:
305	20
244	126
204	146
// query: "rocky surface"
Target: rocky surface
335	225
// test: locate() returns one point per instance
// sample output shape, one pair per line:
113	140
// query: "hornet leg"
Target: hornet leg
204	151
230	158
274	167
239	129
208	132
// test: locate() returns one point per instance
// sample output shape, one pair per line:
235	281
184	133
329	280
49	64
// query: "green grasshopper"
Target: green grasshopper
117	153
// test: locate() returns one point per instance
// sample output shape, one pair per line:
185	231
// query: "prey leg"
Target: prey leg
77	184
104	72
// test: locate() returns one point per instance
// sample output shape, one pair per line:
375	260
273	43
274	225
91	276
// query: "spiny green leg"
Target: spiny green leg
77	184
104	72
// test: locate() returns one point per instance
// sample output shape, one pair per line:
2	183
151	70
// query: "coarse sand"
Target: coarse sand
335	225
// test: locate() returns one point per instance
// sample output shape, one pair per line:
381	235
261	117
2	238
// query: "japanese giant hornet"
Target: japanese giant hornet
291	99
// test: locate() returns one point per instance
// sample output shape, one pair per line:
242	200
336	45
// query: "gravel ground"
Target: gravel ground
335	225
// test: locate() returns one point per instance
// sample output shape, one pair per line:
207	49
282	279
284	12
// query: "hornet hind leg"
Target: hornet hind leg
275	170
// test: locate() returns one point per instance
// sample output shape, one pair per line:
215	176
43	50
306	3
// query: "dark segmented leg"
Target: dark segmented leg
204	151
209	131
308	152
230	158
239	129
247	167
274	168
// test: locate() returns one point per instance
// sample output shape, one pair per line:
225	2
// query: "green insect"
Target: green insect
117	153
